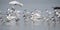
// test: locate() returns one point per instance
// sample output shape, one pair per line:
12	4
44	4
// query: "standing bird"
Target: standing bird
36	17
16	3
26	17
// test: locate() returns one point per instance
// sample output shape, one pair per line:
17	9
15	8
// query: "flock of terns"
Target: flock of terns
34	16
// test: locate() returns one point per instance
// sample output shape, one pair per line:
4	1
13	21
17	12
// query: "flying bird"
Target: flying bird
16	3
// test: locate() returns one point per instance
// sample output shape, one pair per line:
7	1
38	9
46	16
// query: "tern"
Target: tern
16	3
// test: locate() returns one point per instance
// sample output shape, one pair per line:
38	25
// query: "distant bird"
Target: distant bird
57	13
10	17
35	16
16	3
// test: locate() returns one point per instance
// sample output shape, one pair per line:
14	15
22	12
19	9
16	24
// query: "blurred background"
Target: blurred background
29	5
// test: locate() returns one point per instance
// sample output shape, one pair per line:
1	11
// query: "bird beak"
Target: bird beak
21	5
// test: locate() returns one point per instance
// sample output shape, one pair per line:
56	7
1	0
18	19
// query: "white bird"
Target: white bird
57	13
10	17
35	17
16	3
17	12
55	10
